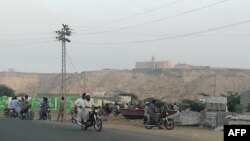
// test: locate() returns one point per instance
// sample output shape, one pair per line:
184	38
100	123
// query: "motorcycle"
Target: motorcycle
94	120
117	113
6	112
74	117
47	115
164	119
116	110
10	112
27	114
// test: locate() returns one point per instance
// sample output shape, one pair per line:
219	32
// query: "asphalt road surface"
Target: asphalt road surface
22	130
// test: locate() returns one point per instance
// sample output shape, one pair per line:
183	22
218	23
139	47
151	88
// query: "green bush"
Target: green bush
6	91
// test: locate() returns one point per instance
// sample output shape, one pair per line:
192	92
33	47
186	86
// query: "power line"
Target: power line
170	37
142	13
20	40
21	34
69	58
159	20
26	43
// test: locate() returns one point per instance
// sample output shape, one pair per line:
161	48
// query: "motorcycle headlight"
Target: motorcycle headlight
96	110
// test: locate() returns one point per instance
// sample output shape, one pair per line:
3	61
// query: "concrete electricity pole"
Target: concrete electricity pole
65	31
215	84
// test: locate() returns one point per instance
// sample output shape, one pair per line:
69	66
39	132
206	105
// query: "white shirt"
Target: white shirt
80	103
88	104
126	106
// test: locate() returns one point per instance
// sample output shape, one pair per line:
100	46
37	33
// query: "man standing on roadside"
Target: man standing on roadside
61	110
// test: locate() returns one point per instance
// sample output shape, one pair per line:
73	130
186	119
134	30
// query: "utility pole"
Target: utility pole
84	83
65	31
215	84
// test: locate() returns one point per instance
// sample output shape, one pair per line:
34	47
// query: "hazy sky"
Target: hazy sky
104	29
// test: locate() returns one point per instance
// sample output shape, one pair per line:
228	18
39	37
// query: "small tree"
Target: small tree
233	101
133	96
20	94
6	91
150	99
193	104
203	94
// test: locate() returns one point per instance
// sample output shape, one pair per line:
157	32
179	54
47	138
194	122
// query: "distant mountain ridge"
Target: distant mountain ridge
168	84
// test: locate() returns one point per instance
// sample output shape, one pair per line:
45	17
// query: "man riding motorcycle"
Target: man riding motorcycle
80	104
154	116
14	106
24	105
146	111
89	104
84	106
43	106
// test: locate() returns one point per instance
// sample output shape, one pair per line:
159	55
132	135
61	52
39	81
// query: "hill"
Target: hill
169	84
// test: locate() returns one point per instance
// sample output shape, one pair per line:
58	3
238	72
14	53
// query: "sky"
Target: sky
116	33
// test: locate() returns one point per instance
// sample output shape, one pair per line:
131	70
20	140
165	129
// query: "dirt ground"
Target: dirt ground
186	133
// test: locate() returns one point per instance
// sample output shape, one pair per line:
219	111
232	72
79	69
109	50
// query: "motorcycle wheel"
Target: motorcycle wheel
169	125
83	127
5	115
98	125
49	117
31	115
73	119
148	127
21	117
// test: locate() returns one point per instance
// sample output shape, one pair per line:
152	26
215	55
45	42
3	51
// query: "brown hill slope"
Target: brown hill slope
170	85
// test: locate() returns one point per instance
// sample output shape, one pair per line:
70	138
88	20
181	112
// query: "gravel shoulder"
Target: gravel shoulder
179	132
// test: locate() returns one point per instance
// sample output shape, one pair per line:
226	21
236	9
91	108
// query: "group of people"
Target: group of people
44	105
83	105
151	112
19	106
22	105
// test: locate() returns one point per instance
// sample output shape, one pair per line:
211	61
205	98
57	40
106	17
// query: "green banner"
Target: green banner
35	103
70	103
53	102
3	103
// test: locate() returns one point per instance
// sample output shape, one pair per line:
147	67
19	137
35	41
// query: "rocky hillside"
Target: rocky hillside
170	85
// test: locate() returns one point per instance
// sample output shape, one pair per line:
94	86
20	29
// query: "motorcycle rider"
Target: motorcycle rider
154	116
14	104
25	105
146	111
43	106
80	104
88	103
116	109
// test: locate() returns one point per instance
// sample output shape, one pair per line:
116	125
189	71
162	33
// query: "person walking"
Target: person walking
61	110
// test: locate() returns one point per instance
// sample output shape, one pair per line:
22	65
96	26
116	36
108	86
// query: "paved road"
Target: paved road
18	130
